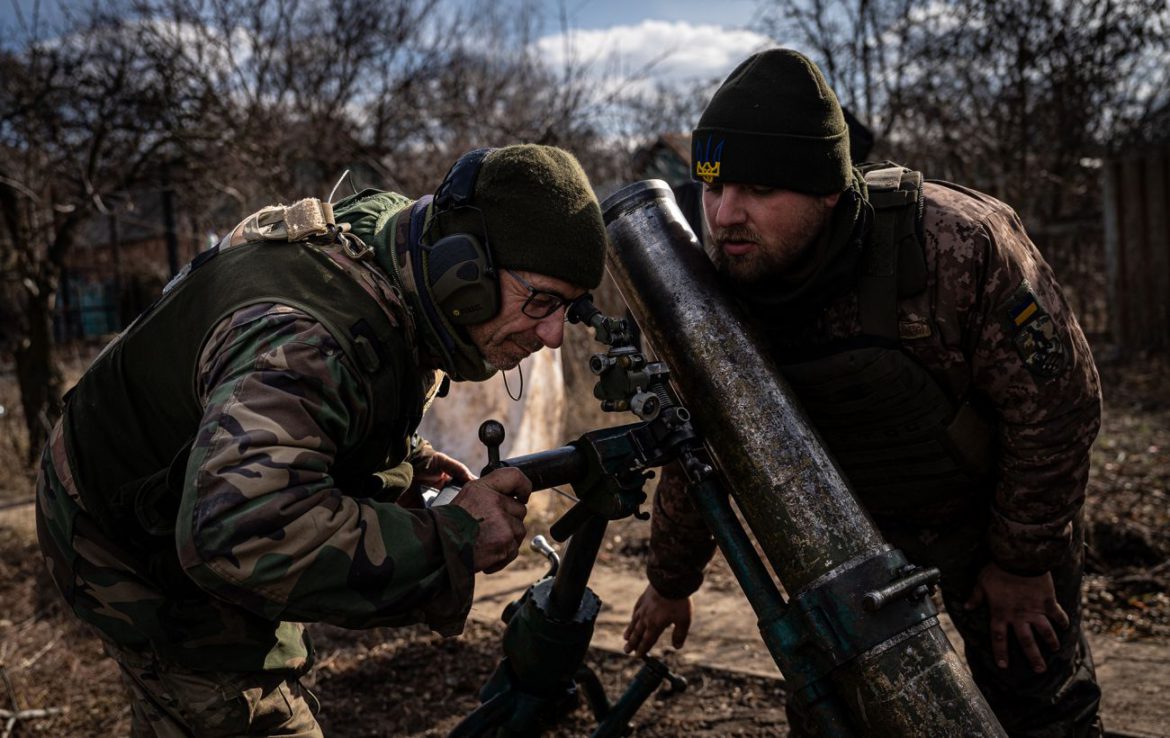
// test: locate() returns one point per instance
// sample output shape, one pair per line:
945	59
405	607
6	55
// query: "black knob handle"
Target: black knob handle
491	434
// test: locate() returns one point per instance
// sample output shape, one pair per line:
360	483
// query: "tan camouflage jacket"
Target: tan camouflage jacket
992	322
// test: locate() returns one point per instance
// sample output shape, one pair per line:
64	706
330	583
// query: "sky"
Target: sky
674	40
599	14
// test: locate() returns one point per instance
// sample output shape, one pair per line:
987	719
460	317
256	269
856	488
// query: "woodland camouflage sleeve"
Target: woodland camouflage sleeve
1030	358
421	453
262	523
680	544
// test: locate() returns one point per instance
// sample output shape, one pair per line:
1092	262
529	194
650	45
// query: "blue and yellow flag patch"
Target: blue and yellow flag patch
1034	334
1025	310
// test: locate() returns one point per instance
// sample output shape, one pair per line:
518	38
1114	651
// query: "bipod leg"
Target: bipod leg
824	709
652	674
486	719
594	693
546	641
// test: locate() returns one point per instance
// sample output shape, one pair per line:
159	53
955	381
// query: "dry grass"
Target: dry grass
16	480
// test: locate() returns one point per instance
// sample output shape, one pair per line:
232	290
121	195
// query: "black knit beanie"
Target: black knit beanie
774	122
539	212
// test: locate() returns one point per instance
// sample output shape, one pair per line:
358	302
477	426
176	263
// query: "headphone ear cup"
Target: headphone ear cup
461	281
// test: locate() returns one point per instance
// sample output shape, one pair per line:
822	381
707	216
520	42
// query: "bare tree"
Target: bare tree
863	47
1018	98
302	89
1009	95
295	91
234	104
210	98
81	116
1018	93
491	86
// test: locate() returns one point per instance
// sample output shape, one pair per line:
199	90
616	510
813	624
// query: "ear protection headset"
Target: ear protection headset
460	275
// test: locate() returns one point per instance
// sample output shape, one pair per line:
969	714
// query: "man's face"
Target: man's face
761	232
511	335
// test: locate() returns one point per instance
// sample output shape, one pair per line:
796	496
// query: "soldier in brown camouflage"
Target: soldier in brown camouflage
226	470
971	327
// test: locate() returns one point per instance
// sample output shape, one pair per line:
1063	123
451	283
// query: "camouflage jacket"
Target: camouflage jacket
265	538
991	322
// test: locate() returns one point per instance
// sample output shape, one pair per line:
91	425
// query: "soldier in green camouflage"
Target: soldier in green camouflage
228	468
934	353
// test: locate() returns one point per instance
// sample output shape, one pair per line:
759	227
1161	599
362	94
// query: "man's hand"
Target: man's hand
496	500
442	470
652	613
1026	605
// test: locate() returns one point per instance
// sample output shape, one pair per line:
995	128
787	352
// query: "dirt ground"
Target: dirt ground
407	682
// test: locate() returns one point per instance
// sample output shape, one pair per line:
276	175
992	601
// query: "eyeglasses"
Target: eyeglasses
540	303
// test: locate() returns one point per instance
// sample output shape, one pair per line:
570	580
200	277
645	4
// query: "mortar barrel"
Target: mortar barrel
741	405
792	495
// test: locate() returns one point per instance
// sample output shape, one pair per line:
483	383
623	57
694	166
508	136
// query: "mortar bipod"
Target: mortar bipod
549	628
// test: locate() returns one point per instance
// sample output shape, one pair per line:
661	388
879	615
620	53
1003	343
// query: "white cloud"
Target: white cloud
668	51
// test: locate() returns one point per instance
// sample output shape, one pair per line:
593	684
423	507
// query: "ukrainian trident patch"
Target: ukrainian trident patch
707	160
1034	334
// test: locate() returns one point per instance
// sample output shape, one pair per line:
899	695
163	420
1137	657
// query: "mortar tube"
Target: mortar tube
739	403
793	497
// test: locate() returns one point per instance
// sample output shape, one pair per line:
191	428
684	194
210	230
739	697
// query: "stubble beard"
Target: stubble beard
770	259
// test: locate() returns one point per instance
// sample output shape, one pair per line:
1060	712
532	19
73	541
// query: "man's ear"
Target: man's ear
831	200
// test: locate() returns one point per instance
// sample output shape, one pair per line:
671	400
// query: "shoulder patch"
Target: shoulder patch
913	328
1034	334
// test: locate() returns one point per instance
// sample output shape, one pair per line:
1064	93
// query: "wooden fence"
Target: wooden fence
1137	248
1073	248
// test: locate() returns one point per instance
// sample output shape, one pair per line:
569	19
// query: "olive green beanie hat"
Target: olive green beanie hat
539	212
774	122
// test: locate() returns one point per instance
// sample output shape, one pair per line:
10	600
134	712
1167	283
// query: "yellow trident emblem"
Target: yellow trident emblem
707	161
707	171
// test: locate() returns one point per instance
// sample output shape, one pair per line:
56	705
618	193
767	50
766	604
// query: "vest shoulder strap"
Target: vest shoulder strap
159	417
894	263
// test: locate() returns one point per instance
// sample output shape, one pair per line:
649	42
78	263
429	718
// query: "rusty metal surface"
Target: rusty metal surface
915	686
782	476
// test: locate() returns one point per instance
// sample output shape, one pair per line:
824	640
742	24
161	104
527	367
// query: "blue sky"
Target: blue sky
595	14
584	14
676	41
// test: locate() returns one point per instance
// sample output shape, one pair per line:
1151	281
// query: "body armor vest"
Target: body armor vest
913	454
131	420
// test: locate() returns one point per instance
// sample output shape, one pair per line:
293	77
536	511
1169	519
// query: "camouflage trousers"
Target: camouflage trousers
169	701
1062	702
